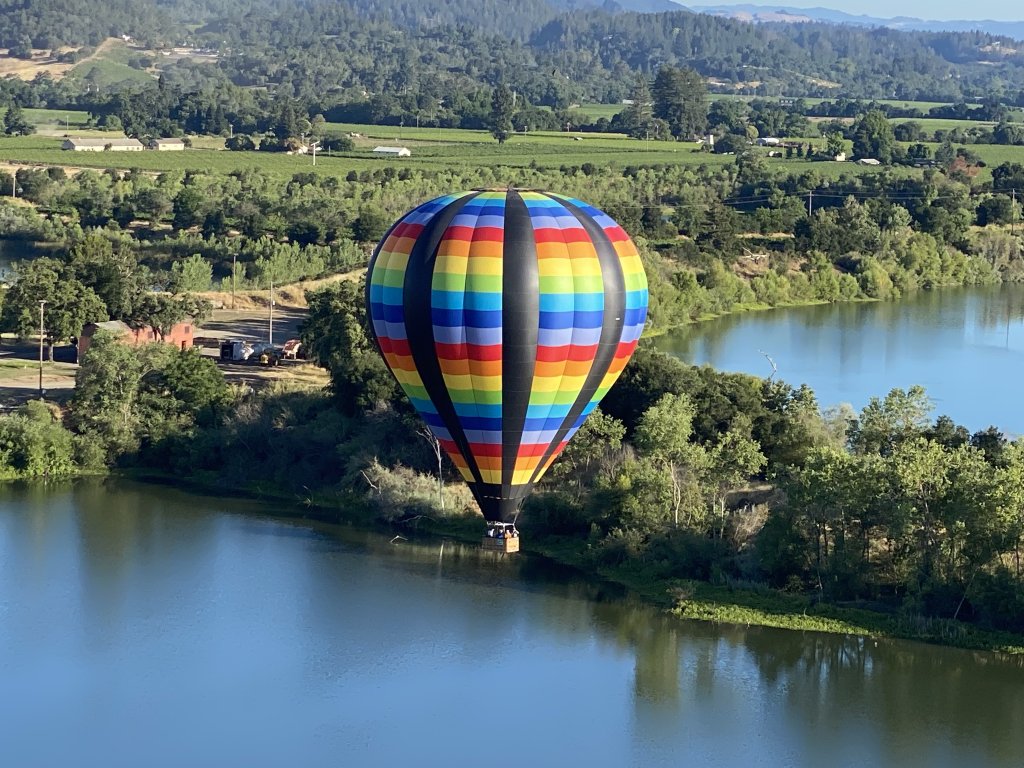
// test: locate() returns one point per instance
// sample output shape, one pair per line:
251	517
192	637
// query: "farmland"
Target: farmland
433	149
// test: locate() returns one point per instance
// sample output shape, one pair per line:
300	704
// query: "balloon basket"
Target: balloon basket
500	537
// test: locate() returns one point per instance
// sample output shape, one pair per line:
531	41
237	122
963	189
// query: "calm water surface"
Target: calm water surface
144	627
965	346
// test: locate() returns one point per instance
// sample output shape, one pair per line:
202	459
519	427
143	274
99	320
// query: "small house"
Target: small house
167	145
392	151
181	334
102	145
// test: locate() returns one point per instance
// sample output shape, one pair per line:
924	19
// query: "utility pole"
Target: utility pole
270	337
810	203
1013	211
313	146
233	258
42	303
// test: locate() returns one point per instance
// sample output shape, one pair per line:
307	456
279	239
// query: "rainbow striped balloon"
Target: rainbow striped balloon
506	316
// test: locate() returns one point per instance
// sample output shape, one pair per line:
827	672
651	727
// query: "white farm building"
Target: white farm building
100	145
167	145
392	151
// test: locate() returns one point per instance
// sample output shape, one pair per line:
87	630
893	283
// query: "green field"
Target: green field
600	110
57	119
932	124
470	150
432	149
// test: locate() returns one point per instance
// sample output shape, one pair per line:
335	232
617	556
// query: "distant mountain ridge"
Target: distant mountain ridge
790	14
619	6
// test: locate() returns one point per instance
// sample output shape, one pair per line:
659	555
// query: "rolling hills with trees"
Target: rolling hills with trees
552	53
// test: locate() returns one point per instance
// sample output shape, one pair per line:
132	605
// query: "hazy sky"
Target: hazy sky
1005	10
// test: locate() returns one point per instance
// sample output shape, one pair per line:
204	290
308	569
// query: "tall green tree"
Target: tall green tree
502	109
873	137
112	272
335	335
637	117
15	122
680	99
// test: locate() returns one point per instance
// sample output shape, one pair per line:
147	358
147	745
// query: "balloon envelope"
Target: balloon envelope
506	316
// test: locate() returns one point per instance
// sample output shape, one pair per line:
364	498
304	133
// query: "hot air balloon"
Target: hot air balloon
505	316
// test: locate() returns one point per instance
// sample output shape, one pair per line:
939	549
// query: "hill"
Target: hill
793	15
555	53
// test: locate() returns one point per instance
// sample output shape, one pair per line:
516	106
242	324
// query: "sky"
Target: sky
1000	10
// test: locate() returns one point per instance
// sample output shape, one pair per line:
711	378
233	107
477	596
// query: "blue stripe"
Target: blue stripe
554	320
393	313
474	410
571	302
472	318
470	299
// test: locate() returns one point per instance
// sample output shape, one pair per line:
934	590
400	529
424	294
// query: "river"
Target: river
144	626
964	345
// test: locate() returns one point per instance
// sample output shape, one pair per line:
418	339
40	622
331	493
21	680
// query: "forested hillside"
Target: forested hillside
555	52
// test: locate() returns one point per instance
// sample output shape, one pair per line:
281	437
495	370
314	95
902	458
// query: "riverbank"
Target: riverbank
753	605
762	606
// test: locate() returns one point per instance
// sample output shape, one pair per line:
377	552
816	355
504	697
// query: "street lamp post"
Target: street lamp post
42	303
270	336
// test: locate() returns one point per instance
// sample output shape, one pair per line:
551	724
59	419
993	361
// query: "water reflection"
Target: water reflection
966	346
179	614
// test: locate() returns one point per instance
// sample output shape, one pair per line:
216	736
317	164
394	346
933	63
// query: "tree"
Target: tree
680	99
370	225
638	116
240	143
835	145
15	122
161	312
113	273
335	335
192	384
873	137
106	393
192	274
599	434
663	434
189	208
33	443
69	304
884	424
502	109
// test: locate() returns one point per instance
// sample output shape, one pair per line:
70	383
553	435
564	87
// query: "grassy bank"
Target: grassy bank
751	606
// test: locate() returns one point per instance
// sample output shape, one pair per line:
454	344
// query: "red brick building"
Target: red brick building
181	334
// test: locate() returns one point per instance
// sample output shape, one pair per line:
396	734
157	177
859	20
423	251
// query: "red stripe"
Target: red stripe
553	235
475	352
529	451
397	346
579	353
450	447
492	450
468	234
616	234
406	229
